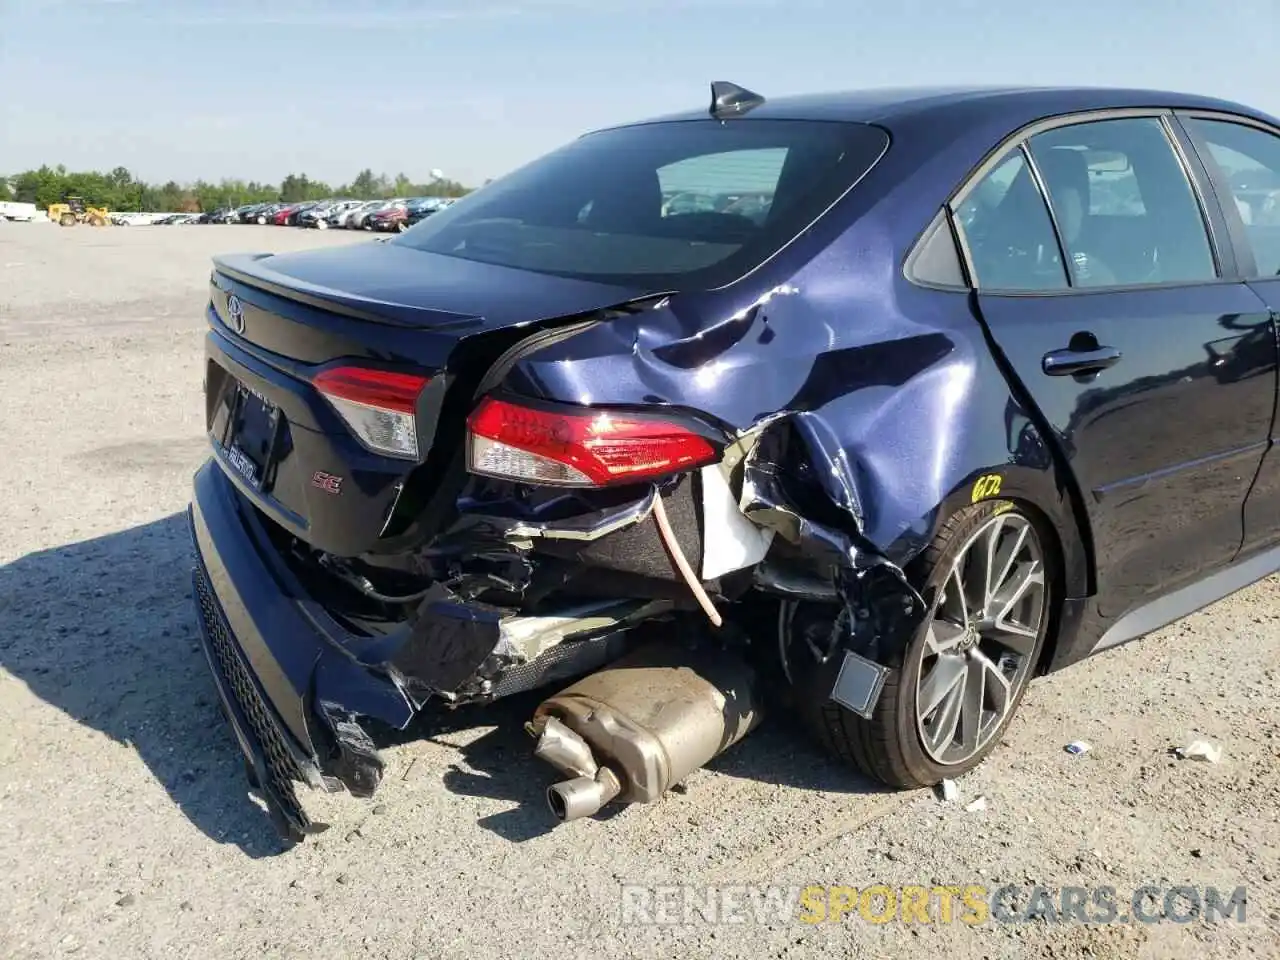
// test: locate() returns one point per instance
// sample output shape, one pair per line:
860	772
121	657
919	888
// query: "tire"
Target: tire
892	745
262	221
401	226
67	220
322	225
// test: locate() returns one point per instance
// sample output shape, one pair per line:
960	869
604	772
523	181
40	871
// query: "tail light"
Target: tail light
578	447
378	405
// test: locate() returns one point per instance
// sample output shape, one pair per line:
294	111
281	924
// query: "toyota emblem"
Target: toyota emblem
235	310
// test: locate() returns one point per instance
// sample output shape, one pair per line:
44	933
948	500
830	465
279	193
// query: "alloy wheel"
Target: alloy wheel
980	640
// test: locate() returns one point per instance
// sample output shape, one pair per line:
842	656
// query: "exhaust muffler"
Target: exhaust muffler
638	727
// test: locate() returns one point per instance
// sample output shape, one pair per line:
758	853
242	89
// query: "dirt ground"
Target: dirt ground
125	830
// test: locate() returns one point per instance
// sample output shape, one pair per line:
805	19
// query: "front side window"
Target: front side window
1008	233
1249	160
665	206
1123	205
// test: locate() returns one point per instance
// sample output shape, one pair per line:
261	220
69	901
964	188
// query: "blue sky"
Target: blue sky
260	88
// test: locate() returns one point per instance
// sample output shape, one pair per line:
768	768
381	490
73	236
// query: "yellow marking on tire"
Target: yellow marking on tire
986	486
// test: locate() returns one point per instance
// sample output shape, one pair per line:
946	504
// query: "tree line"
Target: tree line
121	190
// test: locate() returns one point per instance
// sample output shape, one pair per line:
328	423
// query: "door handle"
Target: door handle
1068	362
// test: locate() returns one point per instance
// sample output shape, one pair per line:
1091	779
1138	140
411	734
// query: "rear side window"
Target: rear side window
663	206
1008	233
1123	205
1249	162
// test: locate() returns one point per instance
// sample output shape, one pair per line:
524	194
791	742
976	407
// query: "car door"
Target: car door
1243	161
1104	280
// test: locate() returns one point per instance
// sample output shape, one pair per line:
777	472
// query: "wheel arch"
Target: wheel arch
1037	492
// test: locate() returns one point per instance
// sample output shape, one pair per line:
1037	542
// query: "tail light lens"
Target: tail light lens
378	405
580	448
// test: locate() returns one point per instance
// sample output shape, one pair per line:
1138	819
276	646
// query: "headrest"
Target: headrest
1064	169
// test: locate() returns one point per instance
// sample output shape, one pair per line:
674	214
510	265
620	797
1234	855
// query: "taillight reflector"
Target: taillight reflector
591	448
377	405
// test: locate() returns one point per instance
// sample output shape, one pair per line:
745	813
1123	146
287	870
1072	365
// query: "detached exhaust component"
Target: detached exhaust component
635	729
591	789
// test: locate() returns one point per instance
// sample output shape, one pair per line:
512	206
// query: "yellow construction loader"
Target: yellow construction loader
73	211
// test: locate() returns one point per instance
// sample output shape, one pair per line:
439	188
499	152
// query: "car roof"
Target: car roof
1019	104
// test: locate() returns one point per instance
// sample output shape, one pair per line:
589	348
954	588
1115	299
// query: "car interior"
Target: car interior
1126	212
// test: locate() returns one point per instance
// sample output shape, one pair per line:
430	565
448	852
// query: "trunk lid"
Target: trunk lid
276	322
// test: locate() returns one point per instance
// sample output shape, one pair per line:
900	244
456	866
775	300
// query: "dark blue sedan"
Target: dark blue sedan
978	384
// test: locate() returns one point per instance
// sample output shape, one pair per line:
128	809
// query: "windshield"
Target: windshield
670	205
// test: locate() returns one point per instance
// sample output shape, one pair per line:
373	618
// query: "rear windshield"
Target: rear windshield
669	206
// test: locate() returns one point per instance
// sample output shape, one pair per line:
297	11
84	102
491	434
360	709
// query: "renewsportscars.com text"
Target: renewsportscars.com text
967	904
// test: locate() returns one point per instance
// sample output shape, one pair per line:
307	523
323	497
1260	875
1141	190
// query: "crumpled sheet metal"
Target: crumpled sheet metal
884	608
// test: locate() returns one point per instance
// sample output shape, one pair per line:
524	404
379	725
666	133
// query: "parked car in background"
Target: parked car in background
324	215
301	210
303	215
356	220
308	216
390	218
687	201
213	216
261	213
285	214
269	215
338	216
420	208
128	219
754	206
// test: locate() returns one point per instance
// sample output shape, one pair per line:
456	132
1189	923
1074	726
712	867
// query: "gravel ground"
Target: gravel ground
124	825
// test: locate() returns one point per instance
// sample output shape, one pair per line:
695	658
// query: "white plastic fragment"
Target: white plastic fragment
948	790
730	541
1077	747
976	804
1200	750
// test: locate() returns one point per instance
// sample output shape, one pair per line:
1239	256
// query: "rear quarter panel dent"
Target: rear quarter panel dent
892	387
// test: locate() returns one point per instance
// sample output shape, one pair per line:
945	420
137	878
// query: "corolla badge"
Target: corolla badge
235	311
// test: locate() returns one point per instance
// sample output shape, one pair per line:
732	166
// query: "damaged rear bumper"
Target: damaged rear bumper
289	689
273	760
296	685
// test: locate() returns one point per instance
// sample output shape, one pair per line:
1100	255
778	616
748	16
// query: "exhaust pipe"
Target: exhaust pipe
583	796
590	786
641	725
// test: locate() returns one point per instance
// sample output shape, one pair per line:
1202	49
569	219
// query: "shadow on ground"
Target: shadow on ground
104	630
